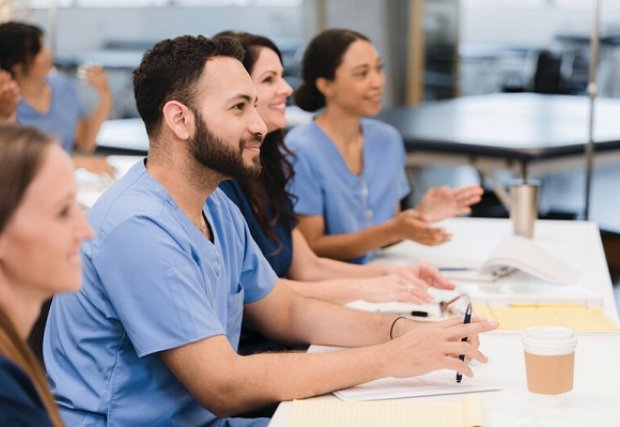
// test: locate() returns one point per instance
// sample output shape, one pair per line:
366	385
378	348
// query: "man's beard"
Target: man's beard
210	151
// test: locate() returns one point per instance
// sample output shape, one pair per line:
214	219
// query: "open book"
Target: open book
467	412
518	253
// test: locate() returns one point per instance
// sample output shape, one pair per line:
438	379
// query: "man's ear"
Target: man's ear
324	86
179	119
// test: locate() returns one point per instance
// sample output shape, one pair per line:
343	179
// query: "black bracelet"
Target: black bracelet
394	323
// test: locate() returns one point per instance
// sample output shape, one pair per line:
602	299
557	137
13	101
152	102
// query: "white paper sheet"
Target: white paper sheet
435	383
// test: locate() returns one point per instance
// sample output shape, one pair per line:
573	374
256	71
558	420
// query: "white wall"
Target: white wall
531	22
88	29
369	17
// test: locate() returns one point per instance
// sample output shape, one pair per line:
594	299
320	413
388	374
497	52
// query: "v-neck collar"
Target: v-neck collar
184	220
336	154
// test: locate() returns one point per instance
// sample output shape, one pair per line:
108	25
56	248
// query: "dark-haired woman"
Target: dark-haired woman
267	206
350	170
41	228
49	101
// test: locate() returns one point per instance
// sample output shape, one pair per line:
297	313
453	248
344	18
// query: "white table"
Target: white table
123	134
594	399
91	186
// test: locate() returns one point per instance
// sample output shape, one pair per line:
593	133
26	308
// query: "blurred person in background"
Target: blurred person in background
49	100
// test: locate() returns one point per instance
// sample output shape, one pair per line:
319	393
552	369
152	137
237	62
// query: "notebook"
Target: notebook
467	412
518	253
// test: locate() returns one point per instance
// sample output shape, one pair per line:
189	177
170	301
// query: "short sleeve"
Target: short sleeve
155	287
257	276
309	198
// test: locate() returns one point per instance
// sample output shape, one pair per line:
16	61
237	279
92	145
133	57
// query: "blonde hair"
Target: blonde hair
22	151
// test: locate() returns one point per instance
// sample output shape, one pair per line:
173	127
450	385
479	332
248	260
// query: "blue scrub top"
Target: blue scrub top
251	340
324	185
65	113
151	282
20	404
279	258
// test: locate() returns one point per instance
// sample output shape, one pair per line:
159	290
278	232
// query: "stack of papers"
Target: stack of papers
435	383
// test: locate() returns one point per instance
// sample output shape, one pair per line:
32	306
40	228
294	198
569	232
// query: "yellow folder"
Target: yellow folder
518	317
467	412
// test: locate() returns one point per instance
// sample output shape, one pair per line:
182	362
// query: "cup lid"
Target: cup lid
549	339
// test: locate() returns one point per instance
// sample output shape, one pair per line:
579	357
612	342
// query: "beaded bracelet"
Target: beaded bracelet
394	323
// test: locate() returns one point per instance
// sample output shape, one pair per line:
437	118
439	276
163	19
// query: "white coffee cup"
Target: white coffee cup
549	359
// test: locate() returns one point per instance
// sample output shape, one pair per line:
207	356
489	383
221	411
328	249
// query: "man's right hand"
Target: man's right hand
427	347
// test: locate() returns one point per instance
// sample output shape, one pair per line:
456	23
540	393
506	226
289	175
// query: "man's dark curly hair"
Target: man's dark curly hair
170	70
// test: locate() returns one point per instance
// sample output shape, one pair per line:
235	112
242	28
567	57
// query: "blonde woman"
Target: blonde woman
41	229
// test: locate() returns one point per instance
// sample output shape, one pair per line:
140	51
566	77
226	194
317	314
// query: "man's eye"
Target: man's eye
64	212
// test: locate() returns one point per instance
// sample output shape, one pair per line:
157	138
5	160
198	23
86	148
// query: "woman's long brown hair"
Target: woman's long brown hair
269	194
22	151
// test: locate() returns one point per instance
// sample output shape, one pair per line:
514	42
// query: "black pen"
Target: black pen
419	313
414	313
466	320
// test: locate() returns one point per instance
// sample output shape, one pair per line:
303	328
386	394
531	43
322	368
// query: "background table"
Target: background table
523	134
520	131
